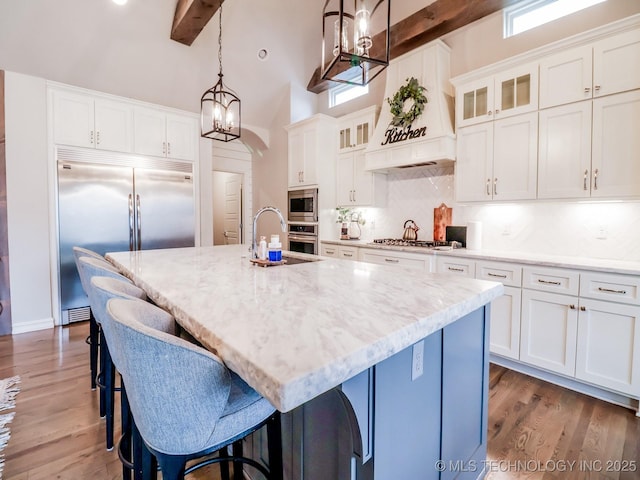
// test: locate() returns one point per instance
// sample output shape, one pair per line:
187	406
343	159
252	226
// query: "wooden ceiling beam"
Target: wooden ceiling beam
190	18
433	21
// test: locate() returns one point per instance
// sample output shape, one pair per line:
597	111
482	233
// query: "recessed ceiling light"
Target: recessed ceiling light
119	2
263	54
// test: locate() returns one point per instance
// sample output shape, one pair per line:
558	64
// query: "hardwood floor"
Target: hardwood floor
534	427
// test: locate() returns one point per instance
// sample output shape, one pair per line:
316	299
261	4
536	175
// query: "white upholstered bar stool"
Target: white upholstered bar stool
185	402
94	267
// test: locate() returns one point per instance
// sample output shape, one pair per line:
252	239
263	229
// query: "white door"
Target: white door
227	208
608	339
474	163
113	126
549	330
566	77
73	119
564	156
344	179
616	143
515	157
505	323
182	138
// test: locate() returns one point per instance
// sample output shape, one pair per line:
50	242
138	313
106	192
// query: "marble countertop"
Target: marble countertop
293	332
559	261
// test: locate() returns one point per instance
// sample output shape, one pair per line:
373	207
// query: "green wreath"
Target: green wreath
411	90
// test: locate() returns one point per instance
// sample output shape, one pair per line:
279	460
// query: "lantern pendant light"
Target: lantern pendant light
355	40
220	106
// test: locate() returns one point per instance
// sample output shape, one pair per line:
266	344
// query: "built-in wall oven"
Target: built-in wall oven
303	237
303	205
303	221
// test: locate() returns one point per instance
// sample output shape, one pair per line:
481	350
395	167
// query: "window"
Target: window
343	92
533	13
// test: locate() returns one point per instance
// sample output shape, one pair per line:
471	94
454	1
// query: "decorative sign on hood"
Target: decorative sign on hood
417	127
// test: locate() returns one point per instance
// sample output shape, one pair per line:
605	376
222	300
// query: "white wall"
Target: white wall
28	202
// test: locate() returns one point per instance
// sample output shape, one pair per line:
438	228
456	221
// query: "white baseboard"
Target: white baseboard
32	326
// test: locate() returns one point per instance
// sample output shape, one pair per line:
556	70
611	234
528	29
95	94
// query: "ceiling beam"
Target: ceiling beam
427	24
191	17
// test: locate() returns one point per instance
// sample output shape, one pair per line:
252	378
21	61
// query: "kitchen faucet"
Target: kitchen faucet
283	224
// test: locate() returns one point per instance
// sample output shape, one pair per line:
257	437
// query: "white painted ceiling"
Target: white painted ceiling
127	50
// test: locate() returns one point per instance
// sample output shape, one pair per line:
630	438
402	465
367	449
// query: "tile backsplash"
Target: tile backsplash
596	229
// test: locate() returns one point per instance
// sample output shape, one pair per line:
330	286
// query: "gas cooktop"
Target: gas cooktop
399	242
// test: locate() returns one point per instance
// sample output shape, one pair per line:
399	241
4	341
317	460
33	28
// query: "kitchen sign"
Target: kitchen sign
400	126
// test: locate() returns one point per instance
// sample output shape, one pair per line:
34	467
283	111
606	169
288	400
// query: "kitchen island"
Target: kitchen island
402	356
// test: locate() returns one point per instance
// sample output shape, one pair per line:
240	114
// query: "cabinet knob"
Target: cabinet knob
497	111
583	309
489	113
572	307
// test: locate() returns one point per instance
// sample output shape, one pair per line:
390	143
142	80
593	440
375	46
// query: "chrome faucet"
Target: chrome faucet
283	224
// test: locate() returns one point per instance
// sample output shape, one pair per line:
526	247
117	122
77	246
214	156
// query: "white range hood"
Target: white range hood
392	148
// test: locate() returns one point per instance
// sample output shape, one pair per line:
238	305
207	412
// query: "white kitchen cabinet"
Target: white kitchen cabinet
344	252
456	266
400	259
554	280
508	93
164	134
616	143
355	129
608	345
498	160
564	151
355	186
549	331
312	148
86	121
602	68
610	287
584	154
505	310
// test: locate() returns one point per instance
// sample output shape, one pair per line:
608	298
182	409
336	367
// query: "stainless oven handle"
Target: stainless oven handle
307	238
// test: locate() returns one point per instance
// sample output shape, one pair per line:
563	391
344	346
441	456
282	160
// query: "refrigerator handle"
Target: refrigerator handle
130	222
139	222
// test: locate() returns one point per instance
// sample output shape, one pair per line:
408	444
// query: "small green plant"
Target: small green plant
348	215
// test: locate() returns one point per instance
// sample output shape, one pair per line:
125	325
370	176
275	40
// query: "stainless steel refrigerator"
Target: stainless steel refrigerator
111	202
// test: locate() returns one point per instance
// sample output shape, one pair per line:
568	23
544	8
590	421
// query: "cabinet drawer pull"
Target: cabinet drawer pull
609	290
495	186
391	260
547	282
595	179
596	88
454	269
330	252
488	184
586	174
587	89
496	275
348	254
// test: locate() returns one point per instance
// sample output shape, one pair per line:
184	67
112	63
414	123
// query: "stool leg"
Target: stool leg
224	466
172	467
100	378
274	439
93	348
125	441
237	466
109	372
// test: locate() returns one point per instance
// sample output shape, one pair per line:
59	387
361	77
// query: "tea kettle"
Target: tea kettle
410	231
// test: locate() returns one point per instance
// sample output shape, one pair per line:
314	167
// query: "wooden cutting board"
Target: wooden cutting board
441	219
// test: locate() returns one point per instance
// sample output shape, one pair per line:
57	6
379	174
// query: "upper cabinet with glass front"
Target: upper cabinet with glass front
356	128
508	93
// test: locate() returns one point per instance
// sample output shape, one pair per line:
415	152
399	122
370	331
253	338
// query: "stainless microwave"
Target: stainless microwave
303	205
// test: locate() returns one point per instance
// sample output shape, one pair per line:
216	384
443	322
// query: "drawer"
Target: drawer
456	266
551	280
329	251
610	287
348	253
506	273
402	260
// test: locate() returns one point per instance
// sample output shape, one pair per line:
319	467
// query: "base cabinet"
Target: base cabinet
608	347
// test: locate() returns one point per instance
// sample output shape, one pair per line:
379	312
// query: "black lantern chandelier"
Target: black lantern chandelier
220	106
351	53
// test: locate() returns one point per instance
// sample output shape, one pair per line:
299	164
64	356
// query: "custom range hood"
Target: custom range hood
429	139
